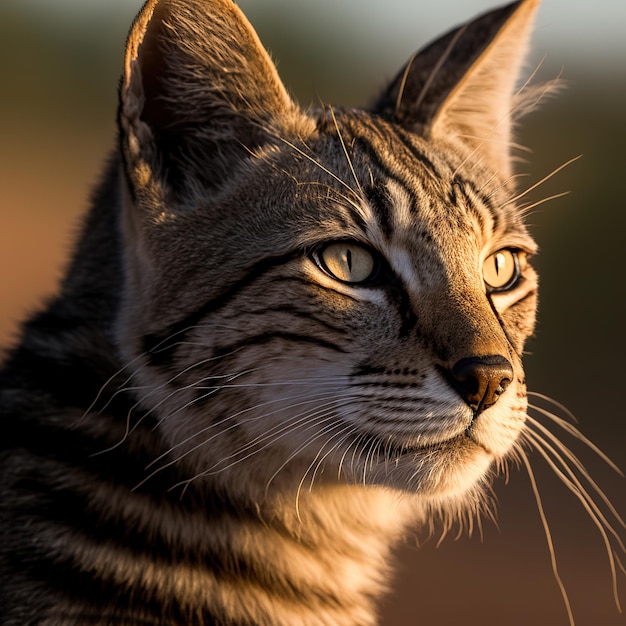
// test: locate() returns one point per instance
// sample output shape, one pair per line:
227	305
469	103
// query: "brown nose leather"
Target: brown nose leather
481	380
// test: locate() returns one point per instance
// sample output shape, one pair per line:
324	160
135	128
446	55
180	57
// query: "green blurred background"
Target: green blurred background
59	66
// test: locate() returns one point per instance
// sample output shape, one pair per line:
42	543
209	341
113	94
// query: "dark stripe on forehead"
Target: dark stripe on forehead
387	139
457	195
394	137
347	207
479	193
364	145
462	186
378	199
406	139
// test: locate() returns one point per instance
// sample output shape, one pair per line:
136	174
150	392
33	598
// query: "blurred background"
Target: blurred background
59	66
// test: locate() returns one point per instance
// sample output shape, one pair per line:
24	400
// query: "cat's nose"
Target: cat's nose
481	380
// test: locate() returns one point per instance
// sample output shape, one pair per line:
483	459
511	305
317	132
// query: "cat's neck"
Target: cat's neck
328	550
303	557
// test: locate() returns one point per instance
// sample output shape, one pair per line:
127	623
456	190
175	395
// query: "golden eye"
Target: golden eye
348	262
501	270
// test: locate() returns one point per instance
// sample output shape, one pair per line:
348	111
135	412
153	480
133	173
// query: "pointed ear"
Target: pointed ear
199	93
463	85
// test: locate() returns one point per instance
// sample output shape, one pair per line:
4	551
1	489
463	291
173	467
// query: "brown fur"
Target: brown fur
211	426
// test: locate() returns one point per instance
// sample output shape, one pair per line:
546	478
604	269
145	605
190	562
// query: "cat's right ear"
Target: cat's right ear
199	95
463	85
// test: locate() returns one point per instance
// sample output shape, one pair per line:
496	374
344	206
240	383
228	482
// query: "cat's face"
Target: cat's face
348	302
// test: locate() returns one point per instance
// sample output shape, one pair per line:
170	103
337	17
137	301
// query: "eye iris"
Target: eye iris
348	262
500	269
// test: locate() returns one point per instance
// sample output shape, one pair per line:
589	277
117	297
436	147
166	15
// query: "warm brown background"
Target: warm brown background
57	103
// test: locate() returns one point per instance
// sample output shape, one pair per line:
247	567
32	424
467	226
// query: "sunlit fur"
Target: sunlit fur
210	427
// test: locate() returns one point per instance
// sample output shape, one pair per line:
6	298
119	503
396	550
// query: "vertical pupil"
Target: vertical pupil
500	263
349	259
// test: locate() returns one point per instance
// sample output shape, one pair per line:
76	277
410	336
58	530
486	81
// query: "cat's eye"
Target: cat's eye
501	270
347	261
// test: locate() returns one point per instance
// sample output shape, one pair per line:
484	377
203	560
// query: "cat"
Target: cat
286	336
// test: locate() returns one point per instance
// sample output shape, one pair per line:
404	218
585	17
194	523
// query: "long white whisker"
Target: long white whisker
153	409
107	383
323	433
345	150
555	403
290	458
579	466
574	432
546	528
595	514
519	196
437	67
269	433
345	431
284	430
317	163
297	382
526	209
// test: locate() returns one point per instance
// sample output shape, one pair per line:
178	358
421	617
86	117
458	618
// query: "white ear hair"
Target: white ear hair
480	110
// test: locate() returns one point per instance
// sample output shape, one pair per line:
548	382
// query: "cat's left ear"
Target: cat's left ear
463	85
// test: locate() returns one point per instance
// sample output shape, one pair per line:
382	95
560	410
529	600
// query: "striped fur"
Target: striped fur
207	426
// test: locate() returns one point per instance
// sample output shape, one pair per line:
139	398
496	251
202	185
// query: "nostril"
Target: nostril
481	380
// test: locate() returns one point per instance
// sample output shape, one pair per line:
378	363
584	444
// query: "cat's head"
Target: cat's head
325	295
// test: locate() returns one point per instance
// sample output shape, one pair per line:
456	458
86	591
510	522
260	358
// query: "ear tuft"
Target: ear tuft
463	85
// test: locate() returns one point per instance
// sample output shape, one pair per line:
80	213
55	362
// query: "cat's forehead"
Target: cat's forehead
365	174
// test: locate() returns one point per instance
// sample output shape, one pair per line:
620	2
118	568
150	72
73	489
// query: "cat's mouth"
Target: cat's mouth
392	451
445	468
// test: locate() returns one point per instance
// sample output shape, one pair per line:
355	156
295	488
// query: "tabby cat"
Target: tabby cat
286	337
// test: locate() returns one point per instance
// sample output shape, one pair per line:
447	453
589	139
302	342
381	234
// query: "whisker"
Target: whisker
153	409
578	465
272	439
316	163
298	382
315	462
437	67
284	429
525	210
574	432
278	428
345	150
356	443
405	76
345	435
281	428
106	384
554	172
574	485
546	528
290	458
497	188
554	403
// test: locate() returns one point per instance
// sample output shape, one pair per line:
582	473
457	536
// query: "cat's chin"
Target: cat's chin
448	469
